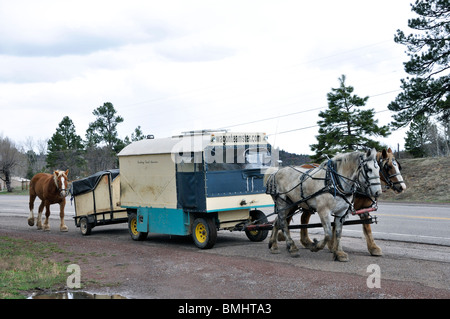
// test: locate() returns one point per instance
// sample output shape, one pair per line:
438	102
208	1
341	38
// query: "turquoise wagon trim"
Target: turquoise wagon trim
169	221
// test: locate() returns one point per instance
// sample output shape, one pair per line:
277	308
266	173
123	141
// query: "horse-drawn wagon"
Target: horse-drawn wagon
195	184
97	201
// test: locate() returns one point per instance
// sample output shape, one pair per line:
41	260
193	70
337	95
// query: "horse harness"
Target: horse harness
332	184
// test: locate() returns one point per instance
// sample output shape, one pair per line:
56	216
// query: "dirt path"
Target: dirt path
171	267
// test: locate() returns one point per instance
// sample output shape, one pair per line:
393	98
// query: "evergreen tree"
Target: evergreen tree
65	148
104	128
427	92
344	126
416	137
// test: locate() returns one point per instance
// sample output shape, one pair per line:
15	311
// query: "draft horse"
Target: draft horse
51	189
390	177
328	189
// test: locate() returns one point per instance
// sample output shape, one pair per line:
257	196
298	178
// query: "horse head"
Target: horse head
369	173
61	181
390	171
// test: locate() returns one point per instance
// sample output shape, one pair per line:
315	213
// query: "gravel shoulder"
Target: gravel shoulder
172	267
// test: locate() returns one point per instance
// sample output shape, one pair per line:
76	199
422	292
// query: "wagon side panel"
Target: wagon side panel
84	204
148	181
102	194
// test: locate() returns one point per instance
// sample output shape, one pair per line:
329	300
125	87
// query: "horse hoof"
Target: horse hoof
274	250
31	221
46	228
64	229
294	254
376	252
342	257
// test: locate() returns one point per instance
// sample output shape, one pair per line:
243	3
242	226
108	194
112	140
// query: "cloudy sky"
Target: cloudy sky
177	65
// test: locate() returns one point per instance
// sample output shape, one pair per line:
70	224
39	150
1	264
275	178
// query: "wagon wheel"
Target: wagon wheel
132	228
257	235
85	226
204	233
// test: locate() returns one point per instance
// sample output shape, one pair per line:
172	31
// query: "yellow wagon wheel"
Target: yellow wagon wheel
204	233
132	228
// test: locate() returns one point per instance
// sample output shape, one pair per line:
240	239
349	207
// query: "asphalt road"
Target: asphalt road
409	222
414	238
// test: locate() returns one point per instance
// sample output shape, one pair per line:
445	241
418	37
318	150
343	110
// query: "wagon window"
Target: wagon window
188	163
257	157
237	158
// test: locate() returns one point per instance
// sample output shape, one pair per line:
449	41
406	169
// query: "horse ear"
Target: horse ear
384	153
66	173
370	152
55	173
389	150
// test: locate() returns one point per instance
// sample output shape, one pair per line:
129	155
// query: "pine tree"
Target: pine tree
416	137
345	126
104	128
427	91
65	148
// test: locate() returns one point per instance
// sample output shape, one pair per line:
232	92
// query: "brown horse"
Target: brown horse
389	175
51	189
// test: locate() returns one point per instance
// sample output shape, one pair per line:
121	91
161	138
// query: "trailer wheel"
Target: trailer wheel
132	228
257	235
204	233
85	226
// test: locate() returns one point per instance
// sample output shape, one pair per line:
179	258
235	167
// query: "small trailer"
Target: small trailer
195	184
97	201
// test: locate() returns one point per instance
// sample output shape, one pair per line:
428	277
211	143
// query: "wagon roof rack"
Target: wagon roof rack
202	132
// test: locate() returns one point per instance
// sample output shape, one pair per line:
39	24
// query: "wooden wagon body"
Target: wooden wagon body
97	201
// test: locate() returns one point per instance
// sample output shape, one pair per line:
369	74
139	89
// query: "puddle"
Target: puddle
75	295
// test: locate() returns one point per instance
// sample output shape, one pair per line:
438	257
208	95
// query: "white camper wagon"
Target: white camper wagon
195	184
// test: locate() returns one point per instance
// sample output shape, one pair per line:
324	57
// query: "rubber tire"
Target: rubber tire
204	233
85	226
132	228
257	235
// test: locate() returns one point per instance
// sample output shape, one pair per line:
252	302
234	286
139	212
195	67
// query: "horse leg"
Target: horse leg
338	252
304	237
47	215
326	224
374	250
284	226
39	218
62	227
273	244
31	206
290	244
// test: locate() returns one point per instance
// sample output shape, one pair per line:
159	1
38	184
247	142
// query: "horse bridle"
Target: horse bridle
384	170
364	170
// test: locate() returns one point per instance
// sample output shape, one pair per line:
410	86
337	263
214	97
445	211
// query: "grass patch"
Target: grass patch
27	265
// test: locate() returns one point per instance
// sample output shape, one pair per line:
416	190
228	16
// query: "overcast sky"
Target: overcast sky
172	66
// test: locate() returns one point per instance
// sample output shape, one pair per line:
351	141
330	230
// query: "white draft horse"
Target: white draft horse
51	189
390	177
328	189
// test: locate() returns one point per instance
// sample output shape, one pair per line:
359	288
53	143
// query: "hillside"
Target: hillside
427	180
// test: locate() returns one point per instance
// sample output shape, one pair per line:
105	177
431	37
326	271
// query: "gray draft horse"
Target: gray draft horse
327	189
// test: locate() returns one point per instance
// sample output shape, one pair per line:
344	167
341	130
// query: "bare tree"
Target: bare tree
9	158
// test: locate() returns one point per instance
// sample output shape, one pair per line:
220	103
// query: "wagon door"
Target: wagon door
190	182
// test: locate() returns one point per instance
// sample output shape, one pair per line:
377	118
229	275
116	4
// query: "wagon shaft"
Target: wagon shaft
269	226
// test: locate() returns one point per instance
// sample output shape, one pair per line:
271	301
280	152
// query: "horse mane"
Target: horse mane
347	163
